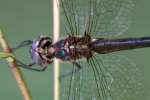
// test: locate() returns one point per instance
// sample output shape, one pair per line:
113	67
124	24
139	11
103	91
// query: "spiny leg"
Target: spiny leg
23	44
21	64
25	66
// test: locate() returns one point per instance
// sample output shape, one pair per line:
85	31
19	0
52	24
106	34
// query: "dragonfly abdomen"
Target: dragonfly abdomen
104	46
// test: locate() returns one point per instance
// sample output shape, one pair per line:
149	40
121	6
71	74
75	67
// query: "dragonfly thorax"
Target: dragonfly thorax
78	47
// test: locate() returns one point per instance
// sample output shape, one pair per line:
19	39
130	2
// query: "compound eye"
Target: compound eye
46	44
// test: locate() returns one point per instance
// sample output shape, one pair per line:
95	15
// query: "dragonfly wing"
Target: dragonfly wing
87	84
112	17
127	83
98	17
104	77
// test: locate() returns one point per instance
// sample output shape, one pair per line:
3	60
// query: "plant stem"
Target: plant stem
15	69
56	87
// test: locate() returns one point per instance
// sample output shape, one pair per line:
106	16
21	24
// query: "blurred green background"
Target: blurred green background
26	19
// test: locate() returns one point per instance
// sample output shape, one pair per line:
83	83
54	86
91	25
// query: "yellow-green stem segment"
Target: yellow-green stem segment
14	68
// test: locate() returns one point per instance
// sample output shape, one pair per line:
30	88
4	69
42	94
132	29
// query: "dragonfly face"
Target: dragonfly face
39	51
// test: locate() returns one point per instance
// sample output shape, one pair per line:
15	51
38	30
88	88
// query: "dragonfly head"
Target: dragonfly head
39	51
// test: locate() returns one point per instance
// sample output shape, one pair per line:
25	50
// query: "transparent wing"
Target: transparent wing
106	77
127	79
84	86
97	17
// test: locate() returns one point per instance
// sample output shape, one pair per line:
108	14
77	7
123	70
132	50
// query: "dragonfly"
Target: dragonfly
99	71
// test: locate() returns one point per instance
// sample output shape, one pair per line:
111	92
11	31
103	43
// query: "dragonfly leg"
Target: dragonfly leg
22	44
74	71
20	64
